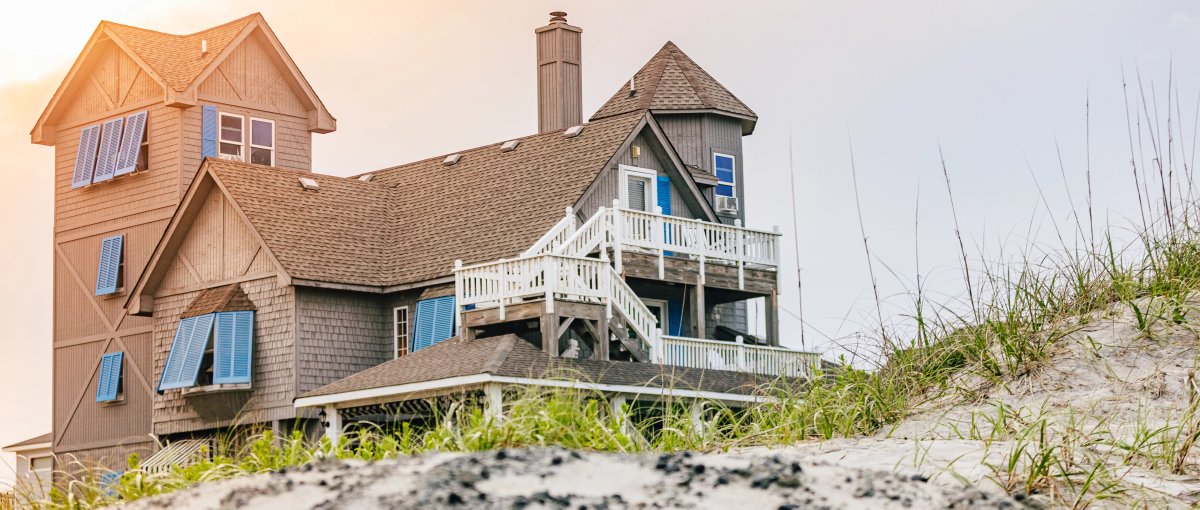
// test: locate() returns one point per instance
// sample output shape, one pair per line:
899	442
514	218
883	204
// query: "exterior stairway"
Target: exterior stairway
570	263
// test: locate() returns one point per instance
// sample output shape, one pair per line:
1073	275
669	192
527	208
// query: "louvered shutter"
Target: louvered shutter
108	274
131	143
85	157
208	132
663	190
110	145
109	377
232	347
435	322
187	350
675	318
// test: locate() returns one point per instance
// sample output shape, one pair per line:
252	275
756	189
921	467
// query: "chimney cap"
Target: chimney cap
558	17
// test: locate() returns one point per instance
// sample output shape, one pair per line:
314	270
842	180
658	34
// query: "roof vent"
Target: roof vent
203	47
451	159
573	131
510	145
366	177
309	183
558	17
632	85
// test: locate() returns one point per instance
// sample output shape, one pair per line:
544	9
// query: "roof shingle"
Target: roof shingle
510	356
671	80
177	58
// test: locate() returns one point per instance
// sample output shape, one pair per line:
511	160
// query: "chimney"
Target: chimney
559	86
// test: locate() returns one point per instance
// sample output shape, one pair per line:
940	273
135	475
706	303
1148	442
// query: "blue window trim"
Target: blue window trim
108	383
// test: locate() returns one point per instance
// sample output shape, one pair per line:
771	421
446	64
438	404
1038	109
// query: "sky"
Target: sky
998	87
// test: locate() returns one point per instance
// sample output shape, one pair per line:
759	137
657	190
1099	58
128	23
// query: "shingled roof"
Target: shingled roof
510	356
673	81
177	58
42	439
410	223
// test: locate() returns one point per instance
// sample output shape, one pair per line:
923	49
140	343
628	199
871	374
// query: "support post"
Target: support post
696	412
333	429
772	316
741	353
616	409
503	288
660	241
616	230
494	396
602	346
549	326
701	312
551	269
459	314
741	254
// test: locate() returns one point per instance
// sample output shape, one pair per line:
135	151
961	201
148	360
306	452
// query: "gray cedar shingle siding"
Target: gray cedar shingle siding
340	333
272	379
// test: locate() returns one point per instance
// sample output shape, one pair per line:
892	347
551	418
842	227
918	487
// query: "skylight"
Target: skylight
452	159
573	131
309	183
510	145
366	177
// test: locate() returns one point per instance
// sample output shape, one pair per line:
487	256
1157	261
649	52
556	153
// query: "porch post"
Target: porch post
660	240
616	230
772	316
696	411
701	320
333	429
616	409
494	396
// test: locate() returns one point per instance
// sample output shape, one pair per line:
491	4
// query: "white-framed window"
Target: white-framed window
400	329
231	136
43	465
262	141
723	167
658	308
638	188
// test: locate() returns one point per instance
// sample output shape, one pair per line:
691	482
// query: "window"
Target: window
638	188
400	325
111	272
108	384
262	142
215	348
435	322
232	136
41	463
723	165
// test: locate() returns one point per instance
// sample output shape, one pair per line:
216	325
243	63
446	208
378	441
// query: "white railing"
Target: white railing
716	241
554	277
553	238
594	233
734	357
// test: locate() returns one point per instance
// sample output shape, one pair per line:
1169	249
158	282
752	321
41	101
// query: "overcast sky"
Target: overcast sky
996	84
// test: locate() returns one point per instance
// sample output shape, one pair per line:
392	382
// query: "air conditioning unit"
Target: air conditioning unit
726	204
229	157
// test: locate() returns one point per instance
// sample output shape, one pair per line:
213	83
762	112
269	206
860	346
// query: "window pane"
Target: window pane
723	163
260	156
725	191
637	194
724	175
41	463
230	149
261	133
231	129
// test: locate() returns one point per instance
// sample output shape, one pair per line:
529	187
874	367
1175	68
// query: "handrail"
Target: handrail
554	237
739	357
593	233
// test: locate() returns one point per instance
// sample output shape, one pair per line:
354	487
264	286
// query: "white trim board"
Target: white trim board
360	397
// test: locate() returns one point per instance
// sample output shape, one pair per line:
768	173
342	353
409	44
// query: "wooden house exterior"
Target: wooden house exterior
226	283
123	72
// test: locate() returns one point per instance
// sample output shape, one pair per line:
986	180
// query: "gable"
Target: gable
251	75
112	81
217	247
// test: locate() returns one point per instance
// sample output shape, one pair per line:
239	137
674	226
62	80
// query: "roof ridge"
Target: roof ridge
687	75
498	358
198	32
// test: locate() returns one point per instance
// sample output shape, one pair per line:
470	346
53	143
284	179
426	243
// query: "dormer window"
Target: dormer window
232	137
262	142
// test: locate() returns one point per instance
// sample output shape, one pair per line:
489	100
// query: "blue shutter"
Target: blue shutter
183	362
664	201
109	377
108	273
435	322
208	132
85	156
233	344
110	145
131	143
675	318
